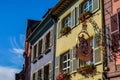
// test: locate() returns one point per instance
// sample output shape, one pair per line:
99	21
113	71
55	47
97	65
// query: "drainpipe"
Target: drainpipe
54	18
105	56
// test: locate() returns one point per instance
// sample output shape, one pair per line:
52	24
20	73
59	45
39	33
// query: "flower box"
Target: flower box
63	75
85	15
65	30
87	70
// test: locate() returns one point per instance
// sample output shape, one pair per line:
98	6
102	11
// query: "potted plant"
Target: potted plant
65	30
87	70
85	15
88	14
81	17
63	75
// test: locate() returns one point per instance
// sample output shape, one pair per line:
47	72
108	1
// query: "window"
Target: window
40	47
40	74
46	72
119	20
66	61
67	21
35	51
34	76
47	43
88	6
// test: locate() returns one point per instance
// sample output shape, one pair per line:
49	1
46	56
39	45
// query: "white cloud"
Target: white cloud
7	73
16	43
17	50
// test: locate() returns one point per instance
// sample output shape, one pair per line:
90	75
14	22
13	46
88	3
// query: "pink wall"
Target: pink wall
116	5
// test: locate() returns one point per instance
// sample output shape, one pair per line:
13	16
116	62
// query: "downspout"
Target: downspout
54	18
105	61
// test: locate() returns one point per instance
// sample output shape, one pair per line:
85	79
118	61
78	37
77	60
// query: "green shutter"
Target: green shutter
73	18
42	73
74	63
51	37
32	50
36	75
58	29
50	71
77	15
57	65
37	50
97	50
43	44
96	5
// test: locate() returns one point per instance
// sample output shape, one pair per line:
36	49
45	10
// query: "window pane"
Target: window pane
68	56
68	63
90	5
64	58
64	65
86	7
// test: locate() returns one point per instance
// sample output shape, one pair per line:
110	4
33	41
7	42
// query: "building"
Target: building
31	25
112	25
79	43
42	50
20	76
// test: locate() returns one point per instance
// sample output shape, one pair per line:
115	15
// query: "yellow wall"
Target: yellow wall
64	43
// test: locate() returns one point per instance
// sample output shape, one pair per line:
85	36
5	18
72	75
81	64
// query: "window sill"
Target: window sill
34	61
40	56
47	50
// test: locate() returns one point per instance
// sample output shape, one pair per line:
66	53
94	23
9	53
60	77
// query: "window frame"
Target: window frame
40	47
35	51
40	73
89	5
46	69
66	21
47	40
67	61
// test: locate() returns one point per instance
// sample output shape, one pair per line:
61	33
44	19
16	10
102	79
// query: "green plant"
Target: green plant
63	75
87	70
85	15
39	78
65	30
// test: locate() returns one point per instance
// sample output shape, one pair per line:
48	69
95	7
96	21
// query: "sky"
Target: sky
13	19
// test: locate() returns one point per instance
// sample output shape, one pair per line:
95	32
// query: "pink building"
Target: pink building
112	24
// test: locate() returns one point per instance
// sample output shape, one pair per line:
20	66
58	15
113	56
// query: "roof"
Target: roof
61	6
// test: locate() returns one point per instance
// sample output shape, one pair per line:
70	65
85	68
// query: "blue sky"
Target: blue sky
13	18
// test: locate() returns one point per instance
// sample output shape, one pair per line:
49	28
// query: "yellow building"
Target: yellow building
79	19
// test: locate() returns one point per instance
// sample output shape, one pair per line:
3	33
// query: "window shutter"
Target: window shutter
73	18
74	63
119	22
114	25
107	42
37	50
97	50
50	71
115	41
36	75
96	5
42	73
51	37
32	50
57	65
77	13
43	44
58	29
